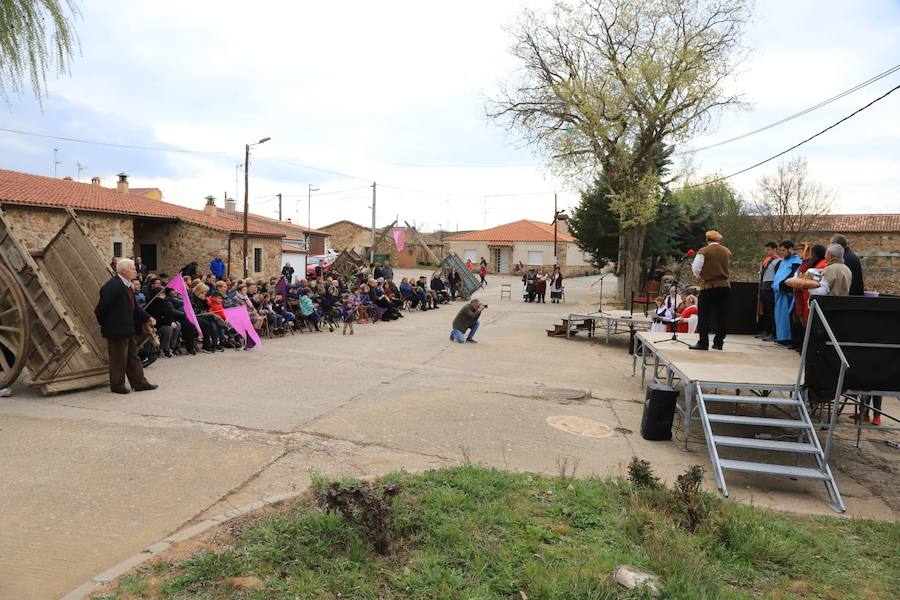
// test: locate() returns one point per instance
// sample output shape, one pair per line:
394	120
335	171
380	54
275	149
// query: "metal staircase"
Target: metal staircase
756	433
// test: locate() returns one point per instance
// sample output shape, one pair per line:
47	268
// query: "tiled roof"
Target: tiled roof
332	225
35	190
520	231
858	223
283	226
292	248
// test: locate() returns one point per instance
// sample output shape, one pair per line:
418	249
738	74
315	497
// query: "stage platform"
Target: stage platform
745	361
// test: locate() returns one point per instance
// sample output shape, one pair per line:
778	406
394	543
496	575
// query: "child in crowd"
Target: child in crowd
308	310
348	314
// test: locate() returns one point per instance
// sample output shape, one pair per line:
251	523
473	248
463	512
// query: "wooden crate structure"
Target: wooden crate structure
470	283
61	284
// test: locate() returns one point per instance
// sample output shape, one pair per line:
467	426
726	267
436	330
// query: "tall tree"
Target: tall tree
788	203
36	36
717	205
604	83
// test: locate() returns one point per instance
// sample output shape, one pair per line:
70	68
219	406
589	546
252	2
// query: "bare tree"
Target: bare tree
35	37
605	83
788	204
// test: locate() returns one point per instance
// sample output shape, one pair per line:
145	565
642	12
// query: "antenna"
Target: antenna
80	167
56	162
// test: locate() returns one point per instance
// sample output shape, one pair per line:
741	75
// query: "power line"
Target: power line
312	168
109	144
795	146
805	111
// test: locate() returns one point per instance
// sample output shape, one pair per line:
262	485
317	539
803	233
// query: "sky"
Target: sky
395	93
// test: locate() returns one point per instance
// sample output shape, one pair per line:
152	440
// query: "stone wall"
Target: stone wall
880	248
35	226
348	236
179	243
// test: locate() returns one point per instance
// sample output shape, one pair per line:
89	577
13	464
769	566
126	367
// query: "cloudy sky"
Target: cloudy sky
394	92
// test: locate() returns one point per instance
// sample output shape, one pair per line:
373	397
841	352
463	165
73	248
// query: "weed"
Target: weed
364	505
641	474
690	500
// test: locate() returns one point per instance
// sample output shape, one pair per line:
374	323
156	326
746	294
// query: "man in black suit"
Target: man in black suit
120	320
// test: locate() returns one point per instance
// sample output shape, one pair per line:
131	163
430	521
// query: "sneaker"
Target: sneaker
471	342
5	392
208	351
876	420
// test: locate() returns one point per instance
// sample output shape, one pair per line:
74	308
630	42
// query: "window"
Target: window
257	260
535	257
470	255
117	249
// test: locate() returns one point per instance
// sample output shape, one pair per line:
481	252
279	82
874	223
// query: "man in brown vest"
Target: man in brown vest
711	265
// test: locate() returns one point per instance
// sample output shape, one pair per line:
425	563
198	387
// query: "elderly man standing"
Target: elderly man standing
712	266
836	278
121	318
467	320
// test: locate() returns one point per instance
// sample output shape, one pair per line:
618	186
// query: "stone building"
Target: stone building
166	236
347	235
529	243
875	237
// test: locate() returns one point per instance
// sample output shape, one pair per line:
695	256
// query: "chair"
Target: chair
646	297
265	330
505	292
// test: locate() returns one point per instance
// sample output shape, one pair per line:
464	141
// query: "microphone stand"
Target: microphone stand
600	281
674	321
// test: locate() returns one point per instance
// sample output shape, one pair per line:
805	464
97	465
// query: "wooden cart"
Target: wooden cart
47	304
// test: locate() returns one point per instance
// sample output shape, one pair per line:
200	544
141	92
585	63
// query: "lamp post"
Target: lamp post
247	199
311	189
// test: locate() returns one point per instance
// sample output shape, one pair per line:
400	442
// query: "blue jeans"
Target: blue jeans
459	336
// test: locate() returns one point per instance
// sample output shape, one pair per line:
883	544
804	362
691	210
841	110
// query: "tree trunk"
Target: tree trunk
620	266
633	242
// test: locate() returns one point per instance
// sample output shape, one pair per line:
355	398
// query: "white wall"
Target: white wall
297	260
575	257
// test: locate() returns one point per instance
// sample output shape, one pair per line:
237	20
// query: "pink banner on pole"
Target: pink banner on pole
398	239
240	320
177	284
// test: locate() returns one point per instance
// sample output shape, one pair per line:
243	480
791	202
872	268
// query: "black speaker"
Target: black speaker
742	302
872	328
659	410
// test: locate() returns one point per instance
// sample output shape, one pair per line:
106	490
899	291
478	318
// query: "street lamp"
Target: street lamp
247	199
309	212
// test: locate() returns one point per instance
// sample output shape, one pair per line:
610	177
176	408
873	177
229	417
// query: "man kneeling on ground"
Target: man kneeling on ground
467	319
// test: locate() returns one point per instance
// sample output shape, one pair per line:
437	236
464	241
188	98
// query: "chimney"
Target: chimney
230	206
95	181
68	179
210	208
122	185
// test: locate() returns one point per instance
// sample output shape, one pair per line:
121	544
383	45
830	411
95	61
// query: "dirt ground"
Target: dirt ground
91	478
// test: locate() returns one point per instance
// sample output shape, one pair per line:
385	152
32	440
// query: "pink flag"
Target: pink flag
398	239
240	320
177	284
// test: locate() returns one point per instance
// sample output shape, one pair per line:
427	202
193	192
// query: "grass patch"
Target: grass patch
474	532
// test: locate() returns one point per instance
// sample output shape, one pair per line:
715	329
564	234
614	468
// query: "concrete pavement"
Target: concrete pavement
91	478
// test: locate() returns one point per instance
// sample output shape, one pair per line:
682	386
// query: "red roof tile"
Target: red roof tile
35	190
283	226
520	231
858	223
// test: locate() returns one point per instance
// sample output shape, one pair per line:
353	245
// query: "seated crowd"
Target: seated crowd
277	305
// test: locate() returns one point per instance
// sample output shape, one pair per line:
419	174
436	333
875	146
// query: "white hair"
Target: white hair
836	250
124	263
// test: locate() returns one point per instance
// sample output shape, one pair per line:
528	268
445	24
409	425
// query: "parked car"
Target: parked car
325	260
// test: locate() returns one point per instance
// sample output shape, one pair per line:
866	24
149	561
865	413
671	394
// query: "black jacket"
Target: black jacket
162	310
114	311
857	287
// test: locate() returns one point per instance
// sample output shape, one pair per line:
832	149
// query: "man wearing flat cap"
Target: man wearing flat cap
711	265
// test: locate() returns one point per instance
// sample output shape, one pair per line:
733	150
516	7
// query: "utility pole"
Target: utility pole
279	206
372	252
246	205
